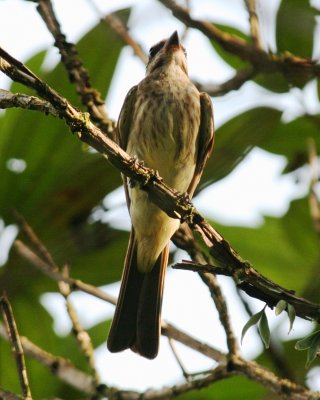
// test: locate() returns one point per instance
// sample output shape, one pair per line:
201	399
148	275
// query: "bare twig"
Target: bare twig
35	260
60	367
10	100
221	305
178	359
254	22
256	285
81	334
78	74
116	24
38	246
185	240
289	65
203	348
17	349
283	387
166	198
241	77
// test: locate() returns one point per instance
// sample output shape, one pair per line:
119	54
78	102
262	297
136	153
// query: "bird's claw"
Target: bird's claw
184	200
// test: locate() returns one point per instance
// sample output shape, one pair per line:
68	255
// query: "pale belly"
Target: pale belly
166	140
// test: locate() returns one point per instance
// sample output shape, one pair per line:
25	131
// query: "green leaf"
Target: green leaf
292	316
292	15
275	82
232	60
236	138
290	139
308	341
281	305
264	329
252	321
281	246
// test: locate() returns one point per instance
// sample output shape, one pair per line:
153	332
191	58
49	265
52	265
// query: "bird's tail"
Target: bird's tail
137	318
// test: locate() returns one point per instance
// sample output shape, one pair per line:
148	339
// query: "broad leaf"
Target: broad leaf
292	16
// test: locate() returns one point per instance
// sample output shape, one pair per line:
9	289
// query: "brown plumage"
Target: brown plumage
168	124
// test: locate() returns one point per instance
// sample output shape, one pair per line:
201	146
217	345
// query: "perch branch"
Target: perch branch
166	198
256	285
10	100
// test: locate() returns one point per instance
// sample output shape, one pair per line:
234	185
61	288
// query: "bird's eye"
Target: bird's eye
155	49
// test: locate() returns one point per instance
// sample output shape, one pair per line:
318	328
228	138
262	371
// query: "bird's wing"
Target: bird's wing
205	140
124	128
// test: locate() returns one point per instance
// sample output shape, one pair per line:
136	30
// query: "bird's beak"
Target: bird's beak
173	40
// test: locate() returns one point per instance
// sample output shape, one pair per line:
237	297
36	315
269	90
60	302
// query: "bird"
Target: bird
166	122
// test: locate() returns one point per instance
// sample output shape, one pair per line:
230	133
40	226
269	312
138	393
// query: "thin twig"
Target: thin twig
10	100
258	286
78	74
17	349
82	336
221	305
59	366
288	64
185	240
163	196
35	260
242	76
172	332
178	359
254	22
38	246
116	24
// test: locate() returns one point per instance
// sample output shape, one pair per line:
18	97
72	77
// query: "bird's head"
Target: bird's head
167	52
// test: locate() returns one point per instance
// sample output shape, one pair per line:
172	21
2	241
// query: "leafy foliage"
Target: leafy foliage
63	182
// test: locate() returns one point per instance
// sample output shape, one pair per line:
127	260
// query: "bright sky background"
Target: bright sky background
253	190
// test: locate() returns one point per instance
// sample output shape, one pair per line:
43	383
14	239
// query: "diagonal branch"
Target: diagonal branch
10	100
256	285
15	341
78	74
289	65
254	22
175	205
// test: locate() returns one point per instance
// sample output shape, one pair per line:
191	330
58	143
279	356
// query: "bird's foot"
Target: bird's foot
184	201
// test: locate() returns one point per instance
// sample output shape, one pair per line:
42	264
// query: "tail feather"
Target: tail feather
149	310
122	332
136	323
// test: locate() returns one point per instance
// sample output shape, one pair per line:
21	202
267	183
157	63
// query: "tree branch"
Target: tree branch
254	22
289	65
175	205
256	285
241	77
10	100
14	339
90	97
60	367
